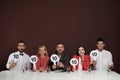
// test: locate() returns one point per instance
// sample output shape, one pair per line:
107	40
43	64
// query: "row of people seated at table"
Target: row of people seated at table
103	61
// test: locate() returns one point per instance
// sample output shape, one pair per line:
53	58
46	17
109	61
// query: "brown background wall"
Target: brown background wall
72	22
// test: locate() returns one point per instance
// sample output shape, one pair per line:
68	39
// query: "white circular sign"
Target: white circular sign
16	57
33	59
74	62
54	58
94	55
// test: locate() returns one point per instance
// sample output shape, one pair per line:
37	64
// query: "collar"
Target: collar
99	50
21	53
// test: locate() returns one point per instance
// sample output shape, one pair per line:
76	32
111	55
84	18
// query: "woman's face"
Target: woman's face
41	51
81	51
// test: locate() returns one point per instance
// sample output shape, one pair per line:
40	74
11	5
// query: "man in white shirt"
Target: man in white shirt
19	60
101	58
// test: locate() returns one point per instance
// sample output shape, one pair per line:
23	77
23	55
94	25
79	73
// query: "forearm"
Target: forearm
8	66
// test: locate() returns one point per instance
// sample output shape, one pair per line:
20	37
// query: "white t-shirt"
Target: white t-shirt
103	58
23	61
80	65
58	61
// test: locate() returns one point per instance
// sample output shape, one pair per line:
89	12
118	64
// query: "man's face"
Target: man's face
100	45
60	48
21	47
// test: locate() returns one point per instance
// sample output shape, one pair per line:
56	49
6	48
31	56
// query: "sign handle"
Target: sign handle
34	66
54	63
74	66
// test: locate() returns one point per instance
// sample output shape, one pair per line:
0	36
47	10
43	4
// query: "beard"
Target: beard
21	50
60	51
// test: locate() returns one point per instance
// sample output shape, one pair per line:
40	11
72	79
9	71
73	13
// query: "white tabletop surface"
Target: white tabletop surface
83	75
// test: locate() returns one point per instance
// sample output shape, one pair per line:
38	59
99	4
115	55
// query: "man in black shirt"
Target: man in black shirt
63	62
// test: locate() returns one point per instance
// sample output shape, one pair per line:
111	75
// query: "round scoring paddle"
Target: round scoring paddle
16	58
54	58
74	62
33	60
94	55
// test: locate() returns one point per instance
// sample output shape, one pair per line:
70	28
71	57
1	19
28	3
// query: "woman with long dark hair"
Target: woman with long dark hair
83	59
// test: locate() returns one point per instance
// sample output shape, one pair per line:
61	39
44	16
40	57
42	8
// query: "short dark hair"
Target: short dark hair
57	45
21	42
60	43
100	39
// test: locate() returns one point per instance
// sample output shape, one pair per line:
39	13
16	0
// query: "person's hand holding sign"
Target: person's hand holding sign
13	65
33	60
16	58
54	59
61	65
94	55
74	62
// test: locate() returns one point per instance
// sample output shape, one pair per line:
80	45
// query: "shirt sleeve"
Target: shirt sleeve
91	58
110	61
28	63
10	61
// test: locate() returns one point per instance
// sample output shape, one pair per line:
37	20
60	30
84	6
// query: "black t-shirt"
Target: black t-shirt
64	59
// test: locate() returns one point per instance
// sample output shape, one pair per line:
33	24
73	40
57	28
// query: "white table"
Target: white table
84	75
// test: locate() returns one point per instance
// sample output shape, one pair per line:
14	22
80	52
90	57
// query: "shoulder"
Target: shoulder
26	55
86	56
64	55
107	52
75	56
14	53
